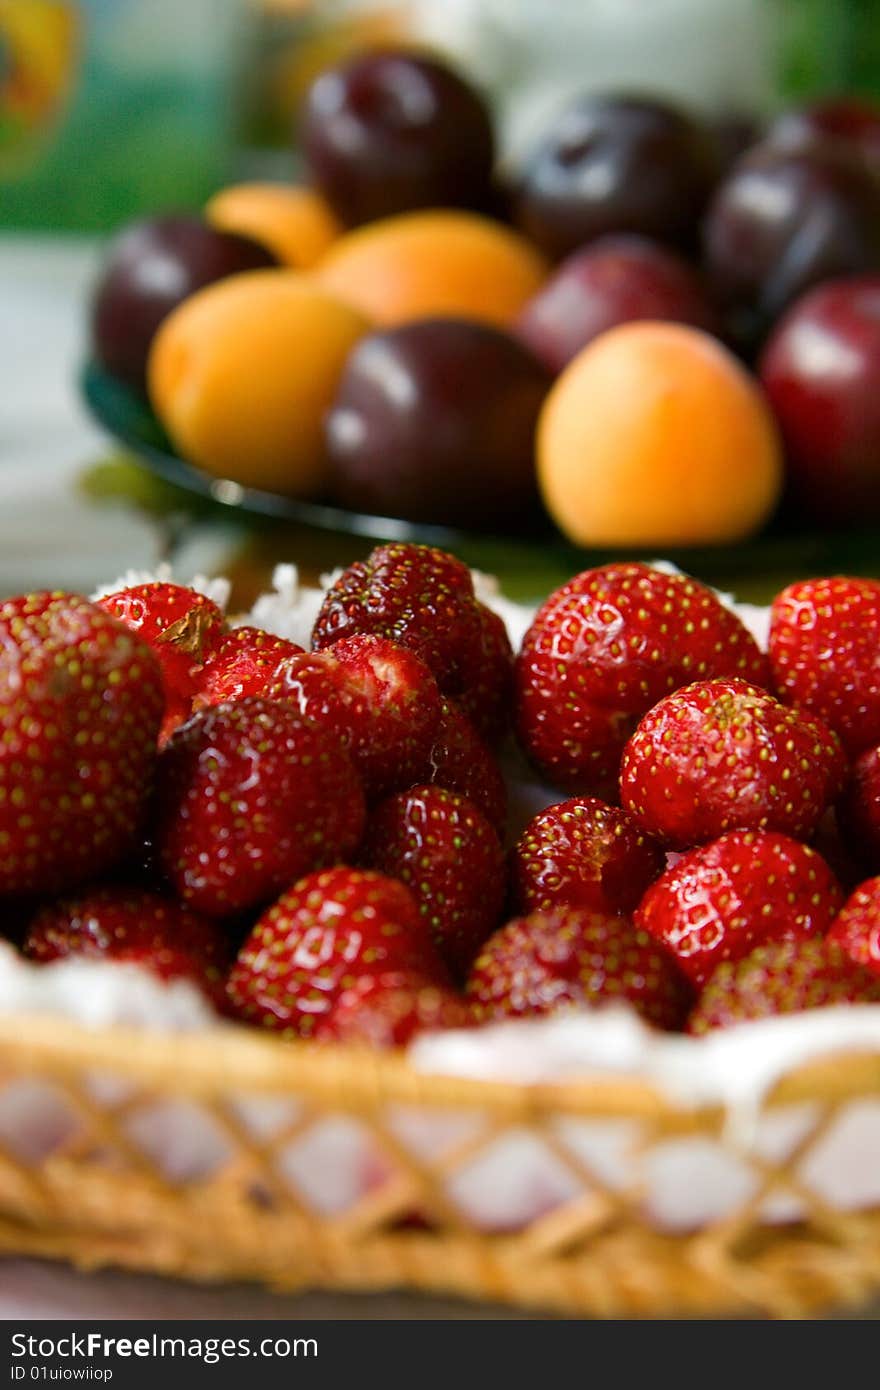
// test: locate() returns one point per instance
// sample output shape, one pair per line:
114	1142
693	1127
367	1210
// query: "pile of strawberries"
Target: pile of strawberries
317	839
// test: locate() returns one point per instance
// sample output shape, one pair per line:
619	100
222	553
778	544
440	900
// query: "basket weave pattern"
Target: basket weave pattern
90	1171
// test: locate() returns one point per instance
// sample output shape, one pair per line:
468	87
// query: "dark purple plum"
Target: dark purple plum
733	132
616	164
613	280
434	421
149	269
853	120
392	131
783	220
821	371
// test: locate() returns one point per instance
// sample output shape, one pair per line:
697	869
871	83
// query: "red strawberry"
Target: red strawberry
80	706
389	1010
400	701
606	647
244	662
251	797
132	925
837	852
319	939
723	755
722	900
858	811
448	855
182	626
461	762
424	599
487	684
583	853
379	699
570	956
825	652
782	977
857	929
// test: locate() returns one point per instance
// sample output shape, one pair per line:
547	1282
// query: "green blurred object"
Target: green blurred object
830	47
113	108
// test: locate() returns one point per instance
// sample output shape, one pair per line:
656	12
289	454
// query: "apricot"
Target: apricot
295	224
654	435
429	264
242	374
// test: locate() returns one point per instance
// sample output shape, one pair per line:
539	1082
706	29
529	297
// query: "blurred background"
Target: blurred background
114	109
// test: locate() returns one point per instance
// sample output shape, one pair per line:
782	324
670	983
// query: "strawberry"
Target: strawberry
858	811
80	707
319	939
583	853
574	957
388	1010
782	977
857	929
723	755
442	847
398	695
424	599
379	699
825	652
462	762
486	687
132	925
718	902
182	626
244	662
251	796
606	647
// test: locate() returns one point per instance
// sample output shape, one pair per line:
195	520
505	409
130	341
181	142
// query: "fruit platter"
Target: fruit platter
384	932
657	333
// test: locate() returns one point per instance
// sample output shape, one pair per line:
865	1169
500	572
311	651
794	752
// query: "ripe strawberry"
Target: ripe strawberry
782	977
379	699
388	1010
139	927
399	710
487	683
244	662
251	796
318	940
442	847
80	707
858	811
723	755
825	652
606	647
182	626
857	929
720	901
574	957
461	762
424	599
583	853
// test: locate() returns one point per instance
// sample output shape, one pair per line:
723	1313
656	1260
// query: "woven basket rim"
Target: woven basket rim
227	1058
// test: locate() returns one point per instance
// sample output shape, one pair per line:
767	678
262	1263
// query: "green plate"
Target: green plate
129	418
539	561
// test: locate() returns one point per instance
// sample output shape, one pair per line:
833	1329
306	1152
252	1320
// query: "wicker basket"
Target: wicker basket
95	1185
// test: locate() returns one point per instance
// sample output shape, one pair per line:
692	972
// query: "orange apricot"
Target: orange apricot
655	435
243	372
295	224
425	264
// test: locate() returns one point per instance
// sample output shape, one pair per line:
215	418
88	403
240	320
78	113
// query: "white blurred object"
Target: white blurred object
533	55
